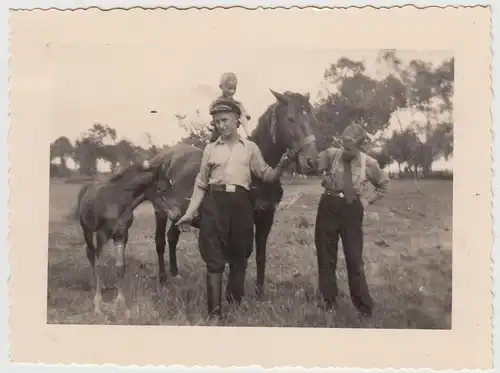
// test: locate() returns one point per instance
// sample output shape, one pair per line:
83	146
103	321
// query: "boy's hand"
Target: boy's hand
285	160
185	221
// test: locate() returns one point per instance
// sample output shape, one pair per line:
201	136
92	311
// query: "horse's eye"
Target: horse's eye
162	186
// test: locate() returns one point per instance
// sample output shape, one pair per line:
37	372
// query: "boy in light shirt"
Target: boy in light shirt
228	84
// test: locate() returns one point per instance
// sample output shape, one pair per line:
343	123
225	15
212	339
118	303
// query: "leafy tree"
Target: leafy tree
429	91
153	149
90	147
86	154
353	96
198	133
400	146
99	132
126	152
61	148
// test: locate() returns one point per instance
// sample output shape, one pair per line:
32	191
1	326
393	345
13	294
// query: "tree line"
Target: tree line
100	142
416	98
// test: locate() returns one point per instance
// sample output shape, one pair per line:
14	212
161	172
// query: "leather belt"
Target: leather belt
334	194
229	188
337	193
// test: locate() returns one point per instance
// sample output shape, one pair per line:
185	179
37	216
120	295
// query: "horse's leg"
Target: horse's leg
263	223
101	241
120	243
161	227
173	238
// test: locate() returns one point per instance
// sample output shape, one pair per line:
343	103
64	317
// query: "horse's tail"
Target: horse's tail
76	211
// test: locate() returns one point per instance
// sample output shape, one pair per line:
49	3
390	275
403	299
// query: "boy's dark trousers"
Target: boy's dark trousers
337	218
225	236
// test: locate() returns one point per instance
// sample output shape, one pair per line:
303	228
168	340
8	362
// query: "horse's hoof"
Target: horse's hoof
260	294
128	315
330	318
97	305
174	273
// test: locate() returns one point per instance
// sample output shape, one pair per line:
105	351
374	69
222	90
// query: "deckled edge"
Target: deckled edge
8	198
493	173
260	7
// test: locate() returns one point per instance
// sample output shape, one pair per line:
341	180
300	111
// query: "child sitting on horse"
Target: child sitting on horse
228	84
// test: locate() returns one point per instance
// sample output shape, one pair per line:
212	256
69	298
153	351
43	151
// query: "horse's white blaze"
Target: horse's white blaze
120	254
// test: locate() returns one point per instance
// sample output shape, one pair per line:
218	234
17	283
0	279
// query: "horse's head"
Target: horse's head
291	127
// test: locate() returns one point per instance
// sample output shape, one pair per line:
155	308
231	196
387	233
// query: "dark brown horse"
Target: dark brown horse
287	125
104	215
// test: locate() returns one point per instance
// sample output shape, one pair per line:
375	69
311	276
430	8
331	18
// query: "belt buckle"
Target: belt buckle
230	188
341	195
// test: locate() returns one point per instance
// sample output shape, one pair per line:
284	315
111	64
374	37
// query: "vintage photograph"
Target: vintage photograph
297	182
283	230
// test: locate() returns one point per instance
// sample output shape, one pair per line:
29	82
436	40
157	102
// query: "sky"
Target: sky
78	81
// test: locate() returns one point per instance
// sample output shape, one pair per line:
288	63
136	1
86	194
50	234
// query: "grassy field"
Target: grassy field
408	256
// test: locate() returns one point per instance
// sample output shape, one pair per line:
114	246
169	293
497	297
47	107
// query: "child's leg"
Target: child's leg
245	125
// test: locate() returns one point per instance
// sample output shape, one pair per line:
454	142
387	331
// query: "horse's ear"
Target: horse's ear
279	96
307	95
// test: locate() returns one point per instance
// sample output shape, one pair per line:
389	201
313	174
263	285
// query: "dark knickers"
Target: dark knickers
226	229
336	218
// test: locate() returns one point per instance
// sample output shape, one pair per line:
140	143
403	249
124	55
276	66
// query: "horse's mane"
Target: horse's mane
135	168
262	130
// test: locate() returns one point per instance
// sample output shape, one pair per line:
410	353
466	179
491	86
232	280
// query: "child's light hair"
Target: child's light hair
228	77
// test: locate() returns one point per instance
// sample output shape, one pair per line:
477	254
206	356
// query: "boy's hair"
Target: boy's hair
226	77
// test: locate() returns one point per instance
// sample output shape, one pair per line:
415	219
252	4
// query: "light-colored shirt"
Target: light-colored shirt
222	165
333	179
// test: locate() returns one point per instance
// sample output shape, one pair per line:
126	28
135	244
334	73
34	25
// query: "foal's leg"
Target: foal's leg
161	226
101	241
263	223
91	256
173	239
120	242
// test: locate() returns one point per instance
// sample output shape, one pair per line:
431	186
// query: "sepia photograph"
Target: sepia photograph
199	178
273	241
